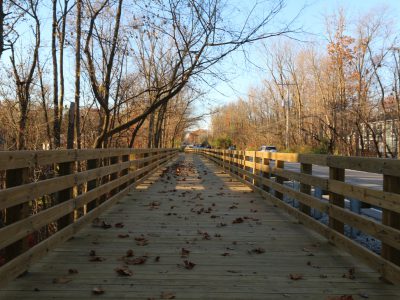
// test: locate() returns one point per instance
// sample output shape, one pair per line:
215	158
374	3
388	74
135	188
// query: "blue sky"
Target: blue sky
243	75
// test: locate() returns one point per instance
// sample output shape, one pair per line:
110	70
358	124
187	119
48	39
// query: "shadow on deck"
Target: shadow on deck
193	232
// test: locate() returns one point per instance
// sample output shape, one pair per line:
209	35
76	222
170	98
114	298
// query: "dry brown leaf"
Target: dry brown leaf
295	276
258	250
61	280
188	264
119	225
184	253
129	253
123	236
123	271
167	295
237	221
96	258
136	261
73	271
97	291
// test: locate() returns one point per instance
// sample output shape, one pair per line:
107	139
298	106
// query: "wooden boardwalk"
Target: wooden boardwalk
196	233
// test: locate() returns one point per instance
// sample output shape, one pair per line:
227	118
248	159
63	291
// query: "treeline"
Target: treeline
113	73
341	96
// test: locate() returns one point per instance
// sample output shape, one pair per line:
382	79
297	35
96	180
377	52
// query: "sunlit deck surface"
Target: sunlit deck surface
236	246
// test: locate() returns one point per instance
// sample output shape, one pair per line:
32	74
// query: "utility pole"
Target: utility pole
287	110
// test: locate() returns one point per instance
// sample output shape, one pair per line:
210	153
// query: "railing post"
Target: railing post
18	212
336	199
265	170
92	164
133	167
114	160
391	184
64	195
305	188
255	182
279	164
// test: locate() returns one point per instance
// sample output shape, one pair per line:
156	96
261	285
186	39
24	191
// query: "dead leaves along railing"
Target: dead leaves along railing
254	168
47	196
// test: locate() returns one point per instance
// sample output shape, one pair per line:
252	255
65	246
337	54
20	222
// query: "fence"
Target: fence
266	173
71	189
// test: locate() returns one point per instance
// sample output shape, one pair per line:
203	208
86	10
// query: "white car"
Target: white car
268	149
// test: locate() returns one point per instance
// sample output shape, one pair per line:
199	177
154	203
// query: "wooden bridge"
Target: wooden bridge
210	224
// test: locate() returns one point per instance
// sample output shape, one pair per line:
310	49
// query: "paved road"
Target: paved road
371	180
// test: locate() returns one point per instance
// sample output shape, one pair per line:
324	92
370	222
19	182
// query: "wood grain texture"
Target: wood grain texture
175	212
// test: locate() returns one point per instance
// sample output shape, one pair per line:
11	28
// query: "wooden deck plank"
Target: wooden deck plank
164	210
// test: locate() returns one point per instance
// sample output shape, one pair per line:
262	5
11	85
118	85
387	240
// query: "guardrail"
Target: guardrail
265	173
47	196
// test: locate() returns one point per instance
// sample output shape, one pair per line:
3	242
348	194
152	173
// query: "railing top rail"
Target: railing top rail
385	166
32	158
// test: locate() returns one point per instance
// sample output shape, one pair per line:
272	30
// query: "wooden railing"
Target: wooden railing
266	173
47	196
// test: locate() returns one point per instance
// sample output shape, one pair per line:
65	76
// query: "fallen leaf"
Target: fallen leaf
123	271
73	271
123	236
136	261
167	295
105	225
225	254
97	291
61	280
342	297
141	241
184	253
119	225
129	253
188	264
92	253
257	250
157	259
237	221
97	258
295	276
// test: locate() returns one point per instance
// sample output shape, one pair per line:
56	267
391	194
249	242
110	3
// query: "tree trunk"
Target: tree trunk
78	74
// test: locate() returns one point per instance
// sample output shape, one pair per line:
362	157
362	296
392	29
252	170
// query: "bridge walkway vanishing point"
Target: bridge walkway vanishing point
193	232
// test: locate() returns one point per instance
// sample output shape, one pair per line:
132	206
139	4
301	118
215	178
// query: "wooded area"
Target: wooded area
112	72
339	94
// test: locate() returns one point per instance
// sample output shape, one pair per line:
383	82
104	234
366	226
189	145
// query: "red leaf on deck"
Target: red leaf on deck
123	271
129	253
97	291
167	295
184	252
342	297
123	236
119	225
188	264
295	276
237	221
141	241
136	261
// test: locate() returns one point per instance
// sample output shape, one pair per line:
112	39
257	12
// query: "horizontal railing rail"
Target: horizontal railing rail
265	172
47	196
